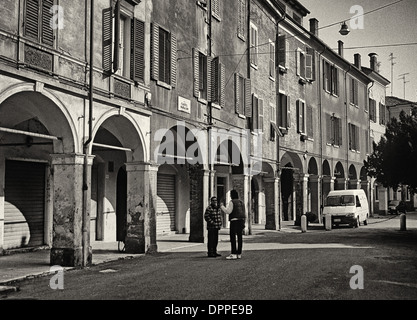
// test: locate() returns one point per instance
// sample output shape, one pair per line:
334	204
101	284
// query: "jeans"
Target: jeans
213	240
236	230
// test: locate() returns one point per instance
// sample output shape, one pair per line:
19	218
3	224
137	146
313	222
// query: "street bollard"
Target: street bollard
303	223
403	226
328	222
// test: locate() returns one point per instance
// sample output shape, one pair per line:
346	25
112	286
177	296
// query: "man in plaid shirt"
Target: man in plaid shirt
214	223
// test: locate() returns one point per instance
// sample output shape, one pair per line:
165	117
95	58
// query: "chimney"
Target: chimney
314	26
374	61
340	48
358	63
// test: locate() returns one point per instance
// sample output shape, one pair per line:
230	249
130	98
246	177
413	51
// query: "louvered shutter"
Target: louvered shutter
222	85
107	40
137	57
310	121
298	62
254	119
32	19
350	136
288	108
173	60
357	140
209	61
237	94
261	115
281	52
311	52
215	81
340	132
309	67
248	100
47	31
329	128
155	52
196	73
116	57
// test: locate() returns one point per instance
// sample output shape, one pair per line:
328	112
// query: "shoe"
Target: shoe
218	254
239	256
211	255
232	257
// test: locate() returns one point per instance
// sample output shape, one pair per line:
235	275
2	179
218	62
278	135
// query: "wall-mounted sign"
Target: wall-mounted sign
184	105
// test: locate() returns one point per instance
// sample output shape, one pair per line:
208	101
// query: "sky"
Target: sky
394	24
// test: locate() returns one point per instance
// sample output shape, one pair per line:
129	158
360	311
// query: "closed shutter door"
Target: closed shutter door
24	204
165	211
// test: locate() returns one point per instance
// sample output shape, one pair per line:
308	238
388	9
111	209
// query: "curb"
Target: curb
8	289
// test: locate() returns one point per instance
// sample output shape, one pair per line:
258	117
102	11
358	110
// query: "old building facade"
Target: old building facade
187	99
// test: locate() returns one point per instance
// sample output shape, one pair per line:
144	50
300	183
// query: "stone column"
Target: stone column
2	182
141	208
314	182
354	184
72	198
199	200
272	193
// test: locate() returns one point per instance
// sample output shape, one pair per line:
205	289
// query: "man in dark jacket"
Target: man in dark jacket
236	211
214	223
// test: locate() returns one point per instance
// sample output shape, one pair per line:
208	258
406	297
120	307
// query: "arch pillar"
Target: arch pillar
69	204
314	183
141	207
272	194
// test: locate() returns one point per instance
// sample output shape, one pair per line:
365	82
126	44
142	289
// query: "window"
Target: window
243	103
301	117
37	21
257	120
123	47
163	56
372	110
284	111
253	45
241	29
273	124
271	60
215	8
309	121
283	51
330	78
367	141
217	82
304	65
353	137
334	130
354	89
382	114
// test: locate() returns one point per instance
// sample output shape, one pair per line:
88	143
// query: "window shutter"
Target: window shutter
32	19
116	54
253	120
309	67
297	110
356	92
324	76
312	53
107	40
329	128
196	73
298	62
137	57
310	121
155	51
281	52
288	108
237	94
173	60
350	136
248	102
340	132
222	85
358	148
261	115
208	78
215	81
47	31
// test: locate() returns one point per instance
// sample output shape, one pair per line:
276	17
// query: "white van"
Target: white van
347	207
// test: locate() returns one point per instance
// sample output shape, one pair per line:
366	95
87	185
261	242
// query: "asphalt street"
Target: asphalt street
315	265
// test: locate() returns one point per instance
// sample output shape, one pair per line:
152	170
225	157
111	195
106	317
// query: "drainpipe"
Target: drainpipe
85	215
320	89
371	194
277	108
248	66
347	124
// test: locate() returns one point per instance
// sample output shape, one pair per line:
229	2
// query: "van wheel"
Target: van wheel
357	224
366	221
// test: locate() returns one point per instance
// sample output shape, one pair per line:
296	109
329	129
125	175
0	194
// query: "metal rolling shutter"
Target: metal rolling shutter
165	209
24	204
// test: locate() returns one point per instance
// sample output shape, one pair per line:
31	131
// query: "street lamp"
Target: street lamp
344	30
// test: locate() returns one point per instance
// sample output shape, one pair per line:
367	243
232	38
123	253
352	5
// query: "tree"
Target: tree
394	159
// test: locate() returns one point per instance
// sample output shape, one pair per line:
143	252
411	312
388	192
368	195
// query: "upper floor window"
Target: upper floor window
202	81
241	16
353	137
215	8
123	50
37	19
243	103
253	45
330	78
372	110
354	90
271	60
334	130
304	65
283	52
163	56
382	114
257	119
284	115
301	116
